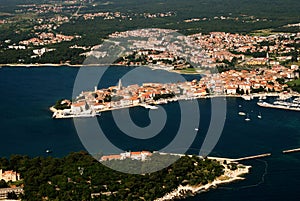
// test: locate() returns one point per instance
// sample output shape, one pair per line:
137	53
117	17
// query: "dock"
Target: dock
252	157
291	151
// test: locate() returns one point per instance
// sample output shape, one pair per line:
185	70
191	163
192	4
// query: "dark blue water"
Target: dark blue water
26	127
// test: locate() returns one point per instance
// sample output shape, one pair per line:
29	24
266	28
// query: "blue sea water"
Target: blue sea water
26	127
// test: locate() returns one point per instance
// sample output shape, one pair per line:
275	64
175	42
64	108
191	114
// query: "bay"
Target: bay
27	128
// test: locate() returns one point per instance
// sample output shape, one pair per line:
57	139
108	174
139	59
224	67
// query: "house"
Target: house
110	157
231	90
78	107
9	175
139	155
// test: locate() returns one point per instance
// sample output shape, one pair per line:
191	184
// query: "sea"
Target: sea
27	128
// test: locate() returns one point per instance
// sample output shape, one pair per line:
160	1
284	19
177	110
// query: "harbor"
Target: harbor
95	110
277	131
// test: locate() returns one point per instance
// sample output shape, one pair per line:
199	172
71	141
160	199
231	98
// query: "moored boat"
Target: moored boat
242	113
247	118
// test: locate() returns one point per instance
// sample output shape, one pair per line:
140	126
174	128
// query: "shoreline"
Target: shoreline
93	65
58	114
53	65
228	176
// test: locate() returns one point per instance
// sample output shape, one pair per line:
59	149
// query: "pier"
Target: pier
223	159
291	151
252	157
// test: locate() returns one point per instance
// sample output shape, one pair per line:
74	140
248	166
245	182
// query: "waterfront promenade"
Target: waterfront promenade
59	114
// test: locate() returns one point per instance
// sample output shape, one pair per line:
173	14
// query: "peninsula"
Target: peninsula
225	170
260	82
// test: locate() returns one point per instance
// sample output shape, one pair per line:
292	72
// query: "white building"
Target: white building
9	175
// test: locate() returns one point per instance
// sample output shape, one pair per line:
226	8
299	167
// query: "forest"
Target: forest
79	176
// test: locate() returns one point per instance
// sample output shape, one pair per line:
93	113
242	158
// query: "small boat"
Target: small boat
151	107
259	115
196	129
247	118
48	151
242	113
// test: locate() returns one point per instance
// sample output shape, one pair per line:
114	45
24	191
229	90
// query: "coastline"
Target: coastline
228	177
51	65
93	65
58	114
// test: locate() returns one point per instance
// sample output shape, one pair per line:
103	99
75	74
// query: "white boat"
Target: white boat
296	100
246	97
247	118
151	107
48	151
259	115
242	113
196	129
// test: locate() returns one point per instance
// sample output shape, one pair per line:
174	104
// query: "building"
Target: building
140	155
231	90
9	175
5	191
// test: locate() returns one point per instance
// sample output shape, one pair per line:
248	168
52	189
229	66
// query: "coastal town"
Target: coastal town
93	94
212	50
224	60
246	84
209	49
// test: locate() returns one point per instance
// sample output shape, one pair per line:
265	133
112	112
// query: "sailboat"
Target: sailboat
247	118
259	115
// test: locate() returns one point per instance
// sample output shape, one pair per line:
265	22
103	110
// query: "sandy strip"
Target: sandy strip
227	177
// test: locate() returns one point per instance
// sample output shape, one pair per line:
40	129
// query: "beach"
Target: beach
228	177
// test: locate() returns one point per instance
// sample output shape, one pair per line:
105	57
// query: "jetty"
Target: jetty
252	157
223	159
291	150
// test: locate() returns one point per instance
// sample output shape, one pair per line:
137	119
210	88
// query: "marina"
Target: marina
294	106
